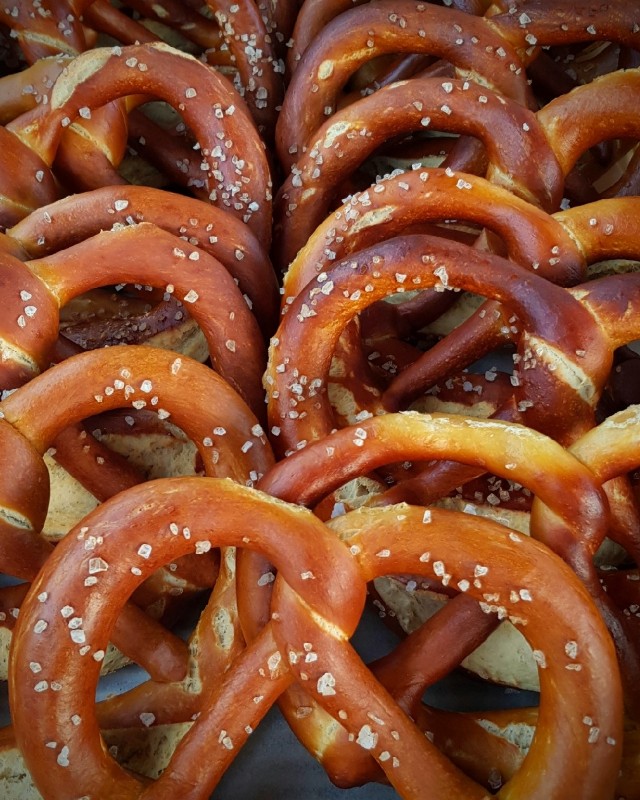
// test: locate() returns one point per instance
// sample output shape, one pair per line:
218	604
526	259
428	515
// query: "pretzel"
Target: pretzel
73	219
57	30
347	42
34	186
520	162
245	32
135	375
606	107
529	26
354	283
238	182
339	601
53	280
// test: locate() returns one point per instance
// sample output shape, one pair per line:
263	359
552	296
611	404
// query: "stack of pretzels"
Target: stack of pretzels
308	308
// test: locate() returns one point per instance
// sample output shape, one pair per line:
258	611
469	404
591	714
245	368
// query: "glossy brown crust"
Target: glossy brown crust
532	238
222	235
520	161
552	331
533	24
58	30
379	27
235	172
232	333
260	70
228	436
107	19
312	17
33	186
606	108
335	597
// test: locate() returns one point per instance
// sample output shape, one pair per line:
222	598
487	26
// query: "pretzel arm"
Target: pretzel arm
107	19
22	91
312	17
607	108
605	229
244	30
33	186
528	26
57	30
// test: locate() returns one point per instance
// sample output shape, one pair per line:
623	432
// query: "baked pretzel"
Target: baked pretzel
334	675
528	26
45	29
228	437
260	70
379	27
234	170
31	323
521	161
301	409
73	219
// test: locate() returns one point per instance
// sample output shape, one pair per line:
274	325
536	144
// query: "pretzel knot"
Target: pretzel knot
318	598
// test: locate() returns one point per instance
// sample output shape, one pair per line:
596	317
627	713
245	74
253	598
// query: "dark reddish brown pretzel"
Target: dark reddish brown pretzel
75	218
521	161
591	226
233	166
22	91
312	17
334	676
106	19
228	437
37	289
301	409
90	149
585	234
33	186
381	27
531	25
607	108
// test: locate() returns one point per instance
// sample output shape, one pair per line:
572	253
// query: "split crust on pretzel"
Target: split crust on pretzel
273	660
